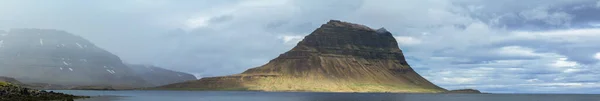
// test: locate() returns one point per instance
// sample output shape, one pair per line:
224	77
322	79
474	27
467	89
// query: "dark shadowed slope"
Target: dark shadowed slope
157	76
337	57
58	57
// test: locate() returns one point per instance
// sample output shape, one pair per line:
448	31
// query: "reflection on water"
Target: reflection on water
283	96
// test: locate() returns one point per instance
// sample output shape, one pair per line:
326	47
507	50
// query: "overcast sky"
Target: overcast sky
501	46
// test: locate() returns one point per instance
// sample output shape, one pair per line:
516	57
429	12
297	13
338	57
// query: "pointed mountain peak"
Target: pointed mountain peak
340	35
382	30
338	23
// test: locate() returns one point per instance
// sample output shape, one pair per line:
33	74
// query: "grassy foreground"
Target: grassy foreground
12	92
291	84
300	84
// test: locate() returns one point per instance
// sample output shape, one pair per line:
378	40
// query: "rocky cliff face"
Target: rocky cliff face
157	76
57	57
337	57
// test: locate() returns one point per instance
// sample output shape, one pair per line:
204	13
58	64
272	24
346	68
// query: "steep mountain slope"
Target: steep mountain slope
337	57
57	57
157	76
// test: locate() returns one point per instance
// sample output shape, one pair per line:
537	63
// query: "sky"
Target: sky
498	46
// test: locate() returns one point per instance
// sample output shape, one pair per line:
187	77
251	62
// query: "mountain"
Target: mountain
337	57
157	76
57	57
10	80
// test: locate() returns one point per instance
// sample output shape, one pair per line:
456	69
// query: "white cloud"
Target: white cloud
533	80
597	55
253	10
593	24
567	35
197	75
559	84
598	4
572	70
571	33
406	40
291	39
543	14
197	22
563	62
458	80
517	51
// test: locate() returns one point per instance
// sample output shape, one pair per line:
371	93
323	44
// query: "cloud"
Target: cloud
197	22
403	40
564	42
597	55
517	51
458	80
542	14
291	39
595	24
598	4
570	35
562	62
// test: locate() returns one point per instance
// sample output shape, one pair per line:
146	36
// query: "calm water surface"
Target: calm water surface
281	96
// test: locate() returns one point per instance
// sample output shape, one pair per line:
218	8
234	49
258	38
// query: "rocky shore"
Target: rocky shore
10	92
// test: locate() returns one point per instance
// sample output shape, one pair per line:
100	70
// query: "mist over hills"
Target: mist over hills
58	57
157	76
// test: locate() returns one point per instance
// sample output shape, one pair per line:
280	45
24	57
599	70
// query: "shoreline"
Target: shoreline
334	92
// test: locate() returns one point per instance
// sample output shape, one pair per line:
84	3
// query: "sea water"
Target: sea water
134	95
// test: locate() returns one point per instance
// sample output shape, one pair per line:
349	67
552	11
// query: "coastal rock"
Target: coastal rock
11	92
337	57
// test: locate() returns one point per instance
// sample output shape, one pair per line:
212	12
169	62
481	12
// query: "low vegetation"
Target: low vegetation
12	92
302	84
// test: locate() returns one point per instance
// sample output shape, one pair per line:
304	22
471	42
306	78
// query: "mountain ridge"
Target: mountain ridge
58	57
158	76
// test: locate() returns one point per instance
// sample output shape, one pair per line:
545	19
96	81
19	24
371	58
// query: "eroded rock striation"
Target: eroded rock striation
337	57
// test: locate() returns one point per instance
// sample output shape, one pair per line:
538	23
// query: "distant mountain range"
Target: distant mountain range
157	76
337	57
45	56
